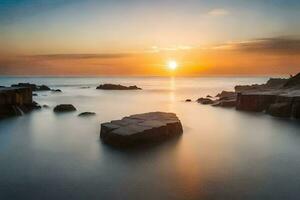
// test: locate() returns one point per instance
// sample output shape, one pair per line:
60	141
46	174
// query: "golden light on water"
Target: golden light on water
172	65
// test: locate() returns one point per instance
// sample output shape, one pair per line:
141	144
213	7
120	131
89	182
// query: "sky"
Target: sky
139	37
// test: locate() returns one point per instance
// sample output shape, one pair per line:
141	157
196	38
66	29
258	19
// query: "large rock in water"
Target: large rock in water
14	101
141	129
64	108
117	87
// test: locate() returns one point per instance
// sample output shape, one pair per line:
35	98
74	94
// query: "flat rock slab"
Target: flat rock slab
140	129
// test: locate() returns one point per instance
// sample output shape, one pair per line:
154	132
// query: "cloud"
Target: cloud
218	12
81	56
280	45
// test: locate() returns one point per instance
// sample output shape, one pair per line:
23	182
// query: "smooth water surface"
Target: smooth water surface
223	153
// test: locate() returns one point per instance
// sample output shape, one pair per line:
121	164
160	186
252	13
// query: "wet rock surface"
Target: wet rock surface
64	108
117	87
140	129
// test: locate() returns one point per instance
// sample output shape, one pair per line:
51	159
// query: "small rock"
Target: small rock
64	108
34	94
188	100
56	90
46	106
83	114
208	96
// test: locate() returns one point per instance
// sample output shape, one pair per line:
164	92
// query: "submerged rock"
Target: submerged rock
140	129
64	108
117	87
85	114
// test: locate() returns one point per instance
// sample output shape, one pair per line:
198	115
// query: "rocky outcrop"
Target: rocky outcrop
33	87
141	129
15	101
256	102
117	87
205	101
64	108
86	114
226	94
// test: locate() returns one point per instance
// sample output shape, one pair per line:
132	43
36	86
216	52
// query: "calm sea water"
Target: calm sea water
223	153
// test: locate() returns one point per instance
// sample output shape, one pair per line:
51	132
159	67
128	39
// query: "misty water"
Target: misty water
222	154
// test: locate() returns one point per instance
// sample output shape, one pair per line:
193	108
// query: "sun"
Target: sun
172	64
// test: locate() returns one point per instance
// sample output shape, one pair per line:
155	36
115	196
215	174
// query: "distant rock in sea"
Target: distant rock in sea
56	90
33	87
188	100
64	108
140	129
117	87
86	114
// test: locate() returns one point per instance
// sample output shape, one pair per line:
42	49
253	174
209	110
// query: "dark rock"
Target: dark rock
56	90
141	129
256	102
117	87
294	81
225	103
83	114
296	110
226	94
280	109
34	94
46	106
188	100
205	101
208	96
33	87
15	101
64	108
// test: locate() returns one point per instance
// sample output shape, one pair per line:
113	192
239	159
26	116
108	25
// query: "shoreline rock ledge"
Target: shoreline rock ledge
140	129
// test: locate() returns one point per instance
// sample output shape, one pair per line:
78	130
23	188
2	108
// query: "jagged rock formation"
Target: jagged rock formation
140	129
117	87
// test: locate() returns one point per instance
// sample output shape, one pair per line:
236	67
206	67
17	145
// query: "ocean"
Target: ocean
222	154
